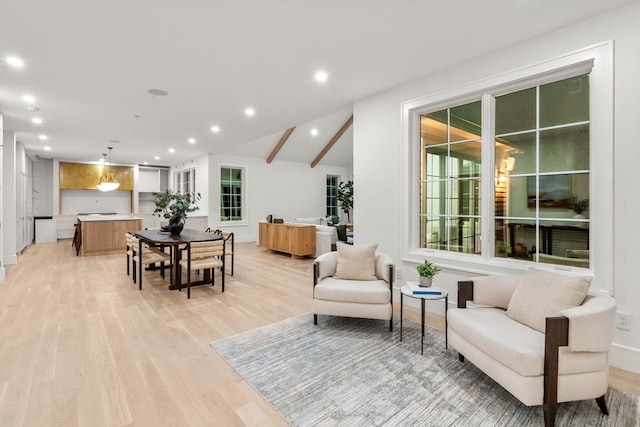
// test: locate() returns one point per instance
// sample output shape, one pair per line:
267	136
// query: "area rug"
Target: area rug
354	372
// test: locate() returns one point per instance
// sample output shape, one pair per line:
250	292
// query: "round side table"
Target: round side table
406	290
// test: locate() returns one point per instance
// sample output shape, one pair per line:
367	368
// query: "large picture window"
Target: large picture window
539	168
231	194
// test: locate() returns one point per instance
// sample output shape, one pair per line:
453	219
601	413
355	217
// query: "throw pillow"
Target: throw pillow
356	262
540	294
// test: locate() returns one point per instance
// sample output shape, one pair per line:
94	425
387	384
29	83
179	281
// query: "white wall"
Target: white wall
9	250
283	189
1	199
43	187
378	165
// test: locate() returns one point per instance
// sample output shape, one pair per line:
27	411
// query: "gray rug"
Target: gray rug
353	372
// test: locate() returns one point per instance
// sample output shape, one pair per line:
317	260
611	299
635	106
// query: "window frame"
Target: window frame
243	196
597	60
338	179
179	180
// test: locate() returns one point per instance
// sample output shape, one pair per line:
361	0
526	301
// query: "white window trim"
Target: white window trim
245	206
596	59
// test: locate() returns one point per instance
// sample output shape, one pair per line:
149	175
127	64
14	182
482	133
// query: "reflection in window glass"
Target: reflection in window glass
542	174
451	151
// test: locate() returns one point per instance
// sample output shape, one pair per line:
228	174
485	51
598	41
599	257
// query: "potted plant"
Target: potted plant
578	205
344	194
427	270
174	207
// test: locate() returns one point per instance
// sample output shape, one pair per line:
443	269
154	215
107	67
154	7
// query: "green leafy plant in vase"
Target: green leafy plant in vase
427	270
175	207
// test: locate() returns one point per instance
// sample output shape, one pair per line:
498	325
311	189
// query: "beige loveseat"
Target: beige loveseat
543	337
353	281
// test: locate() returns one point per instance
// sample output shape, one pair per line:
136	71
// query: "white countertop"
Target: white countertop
98	217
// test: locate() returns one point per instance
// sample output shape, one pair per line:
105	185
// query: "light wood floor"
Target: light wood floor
80	345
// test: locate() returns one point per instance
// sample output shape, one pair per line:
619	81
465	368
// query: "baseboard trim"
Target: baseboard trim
623	357
10	260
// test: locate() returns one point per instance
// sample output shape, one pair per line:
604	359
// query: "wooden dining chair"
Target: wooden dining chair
229	245
206	256
144	255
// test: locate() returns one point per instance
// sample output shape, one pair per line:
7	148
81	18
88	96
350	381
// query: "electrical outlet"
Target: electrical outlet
623	321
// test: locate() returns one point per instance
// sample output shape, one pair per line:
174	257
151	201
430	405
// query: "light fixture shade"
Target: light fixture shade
108	182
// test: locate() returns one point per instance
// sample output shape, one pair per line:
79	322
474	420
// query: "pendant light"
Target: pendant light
108	181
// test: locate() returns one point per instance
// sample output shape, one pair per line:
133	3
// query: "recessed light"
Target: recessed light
43	137
37	120
146	163
215	129
321	76
172	150
191	140
156	158
314	132
250	112
15	62
29	99
47	148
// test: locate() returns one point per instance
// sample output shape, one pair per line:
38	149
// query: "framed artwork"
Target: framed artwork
554	191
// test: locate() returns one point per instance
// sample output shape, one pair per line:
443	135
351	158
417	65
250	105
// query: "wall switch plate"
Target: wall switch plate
623	321
398	274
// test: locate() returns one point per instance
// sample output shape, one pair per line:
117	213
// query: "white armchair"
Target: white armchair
353	282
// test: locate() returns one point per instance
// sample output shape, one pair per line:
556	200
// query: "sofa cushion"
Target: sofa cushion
356	262
495	291
363	292
540	294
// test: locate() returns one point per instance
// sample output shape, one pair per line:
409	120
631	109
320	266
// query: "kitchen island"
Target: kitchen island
104	234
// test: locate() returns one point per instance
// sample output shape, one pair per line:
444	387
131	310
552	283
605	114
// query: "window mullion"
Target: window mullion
487	212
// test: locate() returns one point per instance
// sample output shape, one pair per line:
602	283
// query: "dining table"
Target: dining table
159	237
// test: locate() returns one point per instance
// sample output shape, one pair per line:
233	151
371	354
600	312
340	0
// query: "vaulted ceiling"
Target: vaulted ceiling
90	65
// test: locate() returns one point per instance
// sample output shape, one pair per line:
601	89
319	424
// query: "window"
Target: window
540	168
450	165
185	181
231	194
542	171
332	198
534	167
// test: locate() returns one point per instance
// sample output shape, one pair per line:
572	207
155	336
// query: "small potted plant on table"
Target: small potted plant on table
426	271
174	207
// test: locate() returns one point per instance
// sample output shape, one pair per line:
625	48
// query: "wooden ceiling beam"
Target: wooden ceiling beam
280	144
335	139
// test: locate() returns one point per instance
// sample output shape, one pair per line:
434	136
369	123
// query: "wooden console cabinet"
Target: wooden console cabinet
294	239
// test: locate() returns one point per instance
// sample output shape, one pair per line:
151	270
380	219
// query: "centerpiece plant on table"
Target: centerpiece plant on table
175	207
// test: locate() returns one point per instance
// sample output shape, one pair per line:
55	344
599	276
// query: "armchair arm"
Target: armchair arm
465	292
384	268
591	324
325	266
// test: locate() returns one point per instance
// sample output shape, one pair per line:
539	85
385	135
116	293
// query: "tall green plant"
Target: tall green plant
344	193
